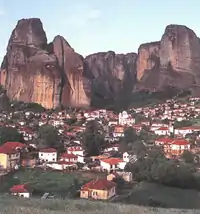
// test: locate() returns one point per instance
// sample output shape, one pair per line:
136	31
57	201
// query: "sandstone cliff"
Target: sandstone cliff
177	61
148	55
54	74
113	74
76	88
33	71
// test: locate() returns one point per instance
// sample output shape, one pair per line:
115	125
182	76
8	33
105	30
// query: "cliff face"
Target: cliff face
54	74
181	48
178	60
32	72
76	88
148	55
112	73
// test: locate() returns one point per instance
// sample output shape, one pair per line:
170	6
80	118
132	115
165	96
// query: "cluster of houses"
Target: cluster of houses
173	141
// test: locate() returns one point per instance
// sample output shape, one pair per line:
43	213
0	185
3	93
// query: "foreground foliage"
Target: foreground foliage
36	206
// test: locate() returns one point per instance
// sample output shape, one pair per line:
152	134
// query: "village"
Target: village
172	126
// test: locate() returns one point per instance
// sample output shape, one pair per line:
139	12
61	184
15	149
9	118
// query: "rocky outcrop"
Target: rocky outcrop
54	74
180	47
33	71
76	88
112	73
178	61
148	55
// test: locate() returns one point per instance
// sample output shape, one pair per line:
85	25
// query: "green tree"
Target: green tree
130	135
48	137
93	138
188	157
10	134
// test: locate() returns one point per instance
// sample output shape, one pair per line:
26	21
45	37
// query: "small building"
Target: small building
9	158
109	164
101	189
48	155
21	190
69	158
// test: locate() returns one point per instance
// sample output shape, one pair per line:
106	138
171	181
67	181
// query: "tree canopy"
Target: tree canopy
154	167
10	134
93	138
48	137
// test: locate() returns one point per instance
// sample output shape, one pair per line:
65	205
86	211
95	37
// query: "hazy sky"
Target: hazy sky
101	25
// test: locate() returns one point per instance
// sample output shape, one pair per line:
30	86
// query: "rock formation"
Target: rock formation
148	54
76	88
54	74
112	73
32	72
178	61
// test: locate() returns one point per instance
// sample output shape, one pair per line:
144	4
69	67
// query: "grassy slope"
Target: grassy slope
36	206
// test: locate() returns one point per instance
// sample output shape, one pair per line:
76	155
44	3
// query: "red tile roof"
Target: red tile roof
10	147
180	142
19	189
13	145
48	150
165	140
7	150
162	129
67	155
99	184
112	161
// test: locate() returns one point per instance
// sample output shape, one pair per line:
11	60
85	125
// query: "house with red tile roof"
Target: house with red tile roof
10	155
48	155
162	131
101	189
108	164
21	190
163	141
69	157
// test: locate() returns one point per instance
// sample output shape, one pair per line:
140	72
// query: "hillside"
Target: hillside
36	206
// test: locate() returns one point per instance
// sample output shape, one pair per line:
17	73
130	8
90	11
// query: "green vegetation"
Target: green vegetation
36	206
145	97
183	123
155	167
48	137
157	195
21	106
62	184
10	134
93	138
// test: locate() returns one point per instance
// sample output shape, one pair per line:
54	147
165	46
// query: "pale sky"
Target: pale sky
100	25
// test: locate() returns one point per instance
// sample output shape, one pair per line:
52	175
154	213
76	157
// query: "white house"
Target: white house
20	190
162	131
78	151
109	164
129	157
111	148
125	119
69	158
48	155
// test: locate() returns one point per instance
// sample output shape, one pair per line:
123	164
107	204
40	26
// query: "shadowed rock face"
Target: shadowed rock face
112	73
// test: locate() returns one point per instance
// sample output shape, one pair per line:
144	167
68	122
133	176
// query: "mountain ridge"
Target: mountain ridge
54	74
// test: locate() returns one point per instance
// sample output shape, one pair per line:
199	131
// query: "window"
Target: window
94	193
41	154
